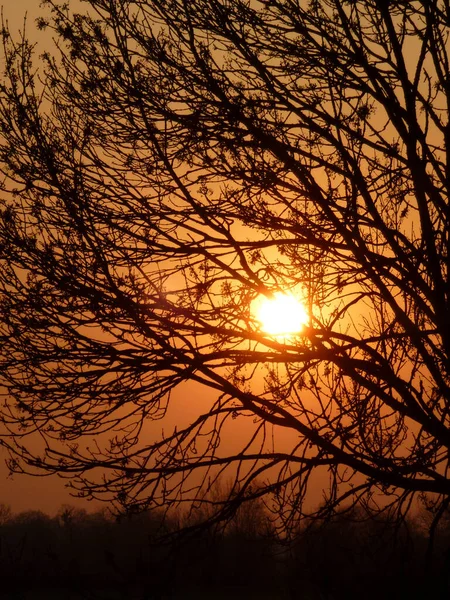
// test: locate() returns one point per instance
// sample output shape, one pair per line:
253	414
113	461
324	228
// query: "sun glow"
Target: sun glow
281	315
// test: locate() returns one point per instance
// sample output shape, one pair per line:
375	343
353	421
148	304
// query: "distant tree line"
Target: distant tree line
97	556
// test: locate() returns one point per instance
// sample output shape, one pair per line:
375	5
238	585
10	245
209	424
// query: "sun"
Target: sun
280	315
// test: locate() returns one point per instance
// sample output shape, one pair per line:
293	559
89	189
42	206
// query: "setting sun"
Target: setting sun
282	314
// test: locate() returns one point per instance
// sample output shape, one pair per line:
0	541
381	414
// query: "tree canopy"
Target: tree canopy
171	162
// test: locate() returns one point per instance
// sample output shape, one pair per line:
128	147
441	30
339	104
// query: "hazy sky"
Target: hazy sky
48	493
15	10
23	493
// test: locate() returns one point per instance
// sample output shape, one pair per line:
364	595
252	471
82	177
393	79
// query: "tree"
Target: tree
171	162
5	513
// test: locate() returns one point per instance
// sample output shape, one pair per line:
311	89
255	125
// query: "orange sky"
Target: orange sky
22	492
25	492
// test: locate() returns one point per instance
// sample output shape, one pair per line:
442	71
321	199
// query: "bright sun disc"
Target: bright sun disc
282	314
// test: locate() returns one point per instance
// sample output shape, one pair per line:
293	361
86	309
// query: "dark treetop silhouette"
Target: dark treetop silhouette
172	161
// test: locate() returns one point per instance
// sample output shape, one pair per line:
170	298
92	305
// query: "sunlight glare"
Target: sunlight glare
282	314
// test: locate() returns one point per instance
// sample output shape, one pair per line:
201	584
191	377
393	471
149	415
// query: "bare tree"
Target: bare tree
170	163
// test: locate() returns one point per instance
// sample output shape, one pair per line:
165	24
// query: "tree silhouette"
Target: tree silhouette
170	163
